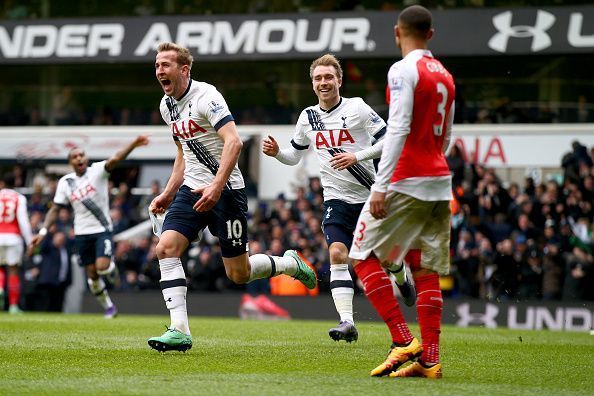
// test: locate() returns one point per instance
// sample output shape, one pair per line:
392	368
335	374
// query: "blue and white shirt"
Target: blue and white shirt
194	120
89	198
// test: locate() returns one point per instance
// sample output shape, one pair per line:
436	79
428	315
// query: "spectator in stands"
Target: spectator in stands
54	272
504	280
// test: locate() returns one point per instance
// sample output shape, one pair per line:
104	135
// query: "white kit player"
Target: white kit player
206	189
14	230
346	135
86	190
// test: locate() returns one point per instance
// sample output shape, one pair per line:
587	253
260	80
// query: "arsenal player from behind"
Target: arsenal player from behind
14	229
409	204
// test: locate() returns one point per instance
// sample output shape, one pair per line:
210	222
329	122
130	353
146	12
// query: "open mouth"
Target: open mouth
166	83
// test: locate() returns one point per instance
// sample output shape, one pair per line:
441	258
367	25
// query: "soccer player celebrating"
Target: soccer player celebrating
14	228
409	203
347	135
206	189
86	190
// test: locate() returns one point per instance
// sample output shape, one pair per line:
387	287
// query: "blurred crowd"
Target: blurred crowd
510	241
523	241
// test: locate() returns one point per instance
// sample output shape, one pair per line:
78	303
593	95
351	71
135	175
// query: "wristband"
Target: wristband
43	231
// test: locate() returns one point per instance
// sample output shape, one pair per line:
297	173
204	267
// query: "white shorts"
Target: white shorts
410	224
11	254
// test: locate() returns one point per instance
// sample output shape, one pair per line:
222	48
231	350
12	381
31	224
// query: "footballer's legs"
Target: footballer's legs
379	291
342	289
173	278
243	268
107	268
173	286
2	281
99	290
14	289
429	308
406	285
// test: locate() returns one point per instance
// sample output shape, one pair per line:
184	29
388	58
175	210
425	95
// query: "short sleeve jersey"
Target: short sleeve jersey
89	198
14	219
350	126
194	120
422	95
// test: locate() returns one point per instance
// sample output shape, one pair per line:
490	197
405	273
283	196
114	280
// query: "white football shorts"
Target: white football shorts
411	224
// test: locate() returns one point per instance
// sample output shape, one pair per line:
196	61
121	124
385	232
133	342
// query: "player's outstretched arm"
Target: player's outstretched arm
50	218
270	146
112	162
288	156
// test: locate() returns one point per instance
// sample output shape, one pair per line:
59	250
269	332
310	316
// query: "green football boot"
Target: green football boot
171	340
304	273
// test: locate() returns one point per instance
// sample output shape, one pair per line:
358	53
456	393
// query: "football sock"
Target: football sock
342	289
108	270
98	289
174	289
2	278
399	272
14	288
380	293
429	307
265	266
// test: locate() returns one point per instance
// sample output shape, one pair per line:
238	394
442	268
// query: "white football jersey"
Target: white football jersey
194	120
350	126
89	198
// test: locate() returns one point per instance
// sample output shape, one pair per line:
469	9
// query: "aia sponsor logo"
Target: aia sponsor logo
81	193
332	138
186	129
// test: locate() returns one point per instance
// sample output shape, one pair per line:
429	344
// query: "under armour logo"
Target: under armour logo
467	318
540	39
328	212
343	121
236	242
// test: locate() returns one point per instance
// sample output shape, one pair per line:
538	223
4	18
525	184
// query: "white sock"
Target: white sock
343	289
264	266
174	289
109	269
399	272
98	289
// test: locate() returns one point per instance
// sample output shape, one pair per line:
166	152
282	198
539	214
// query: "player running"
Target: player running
409	203
86	190
346	134
206	189
14	229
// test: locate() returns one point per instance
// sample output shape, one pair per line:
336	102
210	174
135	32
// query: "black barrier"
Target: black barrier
576	316
369	34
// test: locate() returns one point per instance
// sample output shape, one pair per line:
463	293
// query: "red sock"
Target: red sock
378	289
14	288
413	258
429	307
2	278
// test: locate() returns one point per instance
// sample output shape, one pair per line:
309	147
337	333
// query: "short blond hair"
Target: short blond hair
326	60
183	54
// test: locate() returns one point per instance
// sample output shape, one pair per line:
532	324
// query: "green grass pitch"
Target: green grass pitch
85	354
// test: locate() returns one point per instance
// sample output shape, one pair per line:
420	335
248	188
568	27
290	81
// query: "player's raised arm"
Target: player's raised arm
112	162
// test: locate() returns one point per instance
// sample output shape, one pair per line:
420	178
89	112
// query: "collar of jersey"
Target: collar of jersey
185	93
331	109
